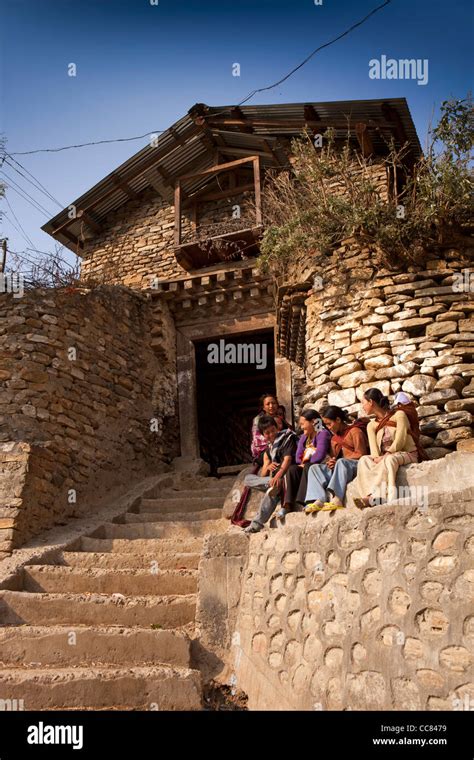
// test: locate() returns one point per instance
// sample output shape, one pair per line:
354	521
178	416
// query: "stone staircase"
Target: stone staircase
109	625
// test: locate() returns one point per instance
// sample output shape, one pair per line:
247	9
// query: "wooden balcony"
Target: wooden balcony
199	244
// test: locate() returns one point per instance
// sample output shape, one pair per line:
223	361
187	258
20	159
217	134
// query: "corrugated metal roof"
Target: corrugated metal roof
182	149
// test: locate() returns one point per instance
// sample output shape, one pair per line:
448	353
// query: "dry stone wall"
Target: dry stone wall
413	331
87	397
135	246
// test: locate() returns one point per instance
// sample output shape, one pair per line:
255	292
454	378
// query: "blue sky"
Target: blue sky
140	67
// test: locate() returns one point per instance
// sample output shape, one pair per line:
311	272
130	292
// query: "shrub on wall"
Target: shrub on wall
335	193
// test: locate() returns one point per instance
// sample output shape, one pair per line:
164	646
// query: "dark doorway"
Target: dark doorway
228	393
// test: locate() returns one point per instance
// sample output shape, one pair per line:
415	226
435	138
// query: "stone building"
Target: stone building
110	378
181	220
106	384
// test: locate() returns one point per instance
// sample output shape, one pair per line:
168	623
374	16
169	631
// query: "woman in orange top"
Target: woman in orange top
327	482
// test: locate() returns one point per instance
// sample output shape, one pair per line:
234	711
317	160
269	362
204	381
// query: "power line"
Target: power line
209	116
27	197
38	185
28	240
308	58
83	145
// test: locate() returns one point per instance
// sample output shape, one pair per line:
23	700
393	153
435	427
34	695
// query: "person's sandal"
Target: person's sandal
283	513
314	506
330	506
363	503
252	529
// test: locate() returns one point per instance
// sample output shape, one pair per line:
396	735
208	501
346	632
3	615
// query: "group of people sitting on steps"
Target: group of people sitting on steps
312	471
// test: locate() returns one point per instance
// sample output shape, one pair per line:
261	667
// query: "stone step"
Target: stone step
144	516
232	469
18	607
137	688
58	579
210	487
155	546
163	530
120	560
192	504
214	493
46	646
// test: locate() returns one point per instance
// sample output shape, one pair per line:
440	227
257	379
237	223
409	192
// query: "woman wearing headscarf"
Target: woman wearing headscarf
394	440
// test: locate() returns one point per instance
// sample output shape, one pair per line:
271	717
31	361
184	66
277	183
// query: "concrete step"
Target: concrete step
46	646
189	504
144	516
18	607
136	688
58	579
165	560
138	546
170	529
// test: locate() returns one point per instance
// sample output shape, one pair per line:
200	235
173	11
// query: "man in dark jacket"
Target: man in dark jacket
278	457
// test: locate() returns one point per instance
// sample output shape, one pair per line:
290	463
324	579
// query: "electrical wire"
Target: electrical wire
27	197
213	115
28	240
38	184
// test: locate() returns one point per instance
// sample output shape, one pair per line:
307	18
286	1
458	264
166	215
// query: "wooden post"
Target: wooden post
3	259
258	192
364	139
177	213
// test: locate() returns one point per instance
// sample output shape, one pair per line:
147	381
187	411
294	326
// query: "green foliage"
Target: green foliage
334	193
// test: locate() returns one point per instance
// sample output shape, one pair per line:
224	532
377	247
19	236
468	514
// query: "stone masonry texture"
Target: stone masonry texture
83	376
352	610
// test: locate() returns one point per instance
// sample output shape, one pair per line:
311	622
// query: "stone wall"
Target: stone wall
83	374
135	246
351	610
368	326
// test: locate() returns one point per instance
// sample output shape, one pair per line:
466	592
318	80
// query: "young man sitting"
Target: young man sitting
277	458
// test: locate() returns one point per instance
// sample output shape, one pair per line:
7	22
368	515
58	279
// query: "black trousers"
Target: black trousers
296	482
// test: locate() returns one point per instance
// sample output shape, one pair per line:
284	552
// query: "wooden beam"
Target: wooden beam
310	113
230	151
72	237
81	214
392	116
207	140
271	152
258	193
177	213
364	139
215	196
123	185
236	113
165	176
179	140
298	125
218	168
